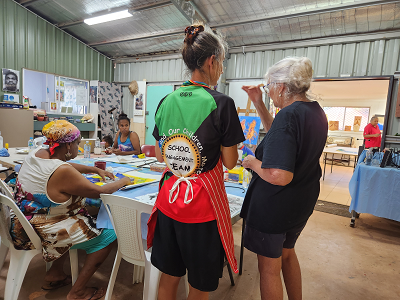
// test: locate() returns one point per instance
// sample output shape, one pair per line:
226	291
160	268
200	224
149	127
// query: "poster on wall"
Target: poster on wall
81	96
10	80
93	94
53	106
138	104
251	129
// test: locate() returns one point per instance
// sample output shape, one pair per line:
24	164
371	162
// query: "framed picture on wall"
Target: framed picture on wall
138	105
93	94
10	80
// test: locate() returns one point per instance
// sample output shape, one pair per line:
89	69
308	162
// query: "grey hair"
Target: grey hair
373	118
295	72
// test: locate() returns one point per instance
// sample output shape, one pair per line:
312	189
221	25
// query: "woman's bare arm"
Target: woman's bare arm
273	176
229	156
67	181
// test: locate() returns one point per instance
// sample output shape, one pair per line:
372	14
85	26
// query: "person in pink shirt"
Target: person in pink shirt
372	134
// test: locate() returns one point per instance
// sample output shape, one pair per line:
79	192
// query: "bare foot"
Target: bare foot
90	293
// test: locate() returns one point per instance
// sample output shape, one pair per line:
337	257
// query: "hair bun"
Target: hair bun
192	32
123	115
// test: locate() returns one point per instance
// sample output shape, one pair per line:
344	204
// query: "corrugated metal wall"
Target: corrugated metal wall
379	57
151	71
27	41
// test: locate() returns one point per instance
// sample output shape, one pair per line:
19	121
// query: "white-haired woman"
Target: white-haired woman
372	134
286	173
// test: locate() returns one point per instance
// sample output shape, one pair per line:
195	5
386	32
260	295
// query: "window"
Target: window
346	115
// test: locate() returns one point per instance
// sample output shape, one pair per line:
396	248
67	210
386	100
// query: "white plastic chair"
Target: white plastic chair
125	215
4	189
20	259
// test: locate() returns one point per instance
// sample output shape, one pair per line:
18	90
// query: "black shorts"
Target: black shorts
195	247
270	245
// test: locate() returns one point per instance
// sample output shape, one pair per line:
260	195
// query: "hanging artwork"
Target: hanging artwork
93	94
333	125
10	80
138	104
109	98
357	123
251	129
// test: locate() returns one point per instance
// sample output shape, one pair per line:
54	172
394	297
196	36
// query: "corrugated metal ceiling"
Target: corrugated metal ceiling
243	22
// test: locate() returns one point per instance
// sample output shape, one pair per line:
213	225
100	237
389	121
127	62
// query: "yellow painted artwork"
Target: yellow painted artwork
357	123
333	125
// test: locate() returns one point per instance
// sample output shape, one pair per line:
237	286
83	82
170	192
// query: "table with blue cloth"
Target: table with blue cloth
375	190
147	194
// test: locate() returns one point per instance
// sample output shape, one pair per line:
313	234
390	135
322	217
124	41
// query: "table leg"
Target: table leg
332	161
241	249
325	154
230	275
353	218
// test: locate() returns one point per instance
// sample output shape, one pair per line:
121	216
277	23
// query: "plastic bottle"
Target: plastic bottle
86	150
246	178
369	157
97	147
1	141
31	144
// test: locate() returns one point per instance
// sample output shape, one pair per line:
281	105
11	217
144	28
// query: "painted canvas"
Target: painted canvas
333	125
251	129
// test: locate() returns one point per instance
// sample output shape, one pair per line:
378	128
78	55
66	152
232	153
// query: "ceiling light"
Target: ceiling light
109	17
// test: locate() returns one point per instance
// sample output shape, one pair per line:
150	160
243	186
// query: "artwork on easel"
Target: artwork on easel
251	129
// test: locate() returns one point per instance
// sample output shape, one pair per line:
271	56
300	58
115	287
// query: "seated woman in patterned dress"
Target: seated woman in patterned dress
51	194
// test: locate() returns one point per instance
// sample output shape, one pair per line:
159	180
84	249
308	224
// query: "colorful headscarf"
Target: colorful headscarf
59	132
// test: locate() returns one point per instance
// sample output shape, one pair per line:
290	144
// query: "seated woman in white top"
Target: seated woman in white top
51	194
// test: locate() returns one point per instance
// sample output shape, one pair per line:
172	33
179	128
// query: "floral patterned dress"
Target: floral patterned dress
59	225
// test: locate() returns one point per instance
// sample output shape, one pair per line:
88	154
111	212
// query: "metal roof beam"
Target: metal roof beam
308	12
115	9
29	2
139	38
189	10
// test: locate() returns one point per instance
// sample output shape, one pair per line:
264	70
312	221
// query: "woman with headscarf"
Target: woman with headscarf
51	194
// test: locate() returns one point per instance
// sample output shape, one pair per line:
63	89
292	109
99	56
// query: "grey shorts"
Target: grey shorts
268	244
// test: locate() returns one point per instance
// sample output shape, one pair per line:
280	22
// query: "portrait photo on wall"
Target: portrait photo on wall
10	80
251	129
93	94
139	102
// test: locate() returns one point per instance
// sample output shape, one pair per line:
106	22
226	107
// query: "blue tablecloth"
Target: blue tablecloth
376	191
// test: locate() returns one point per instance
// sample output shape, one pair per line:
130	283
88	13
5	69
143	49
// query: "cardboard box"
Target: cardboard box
91	142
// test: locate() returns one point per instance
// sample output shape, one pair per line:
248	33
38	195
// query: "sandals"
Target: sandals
100	292
53	285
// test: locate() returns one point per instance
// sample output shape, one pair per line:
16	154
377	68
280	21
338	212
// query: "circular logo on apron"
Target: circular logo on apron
181	155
